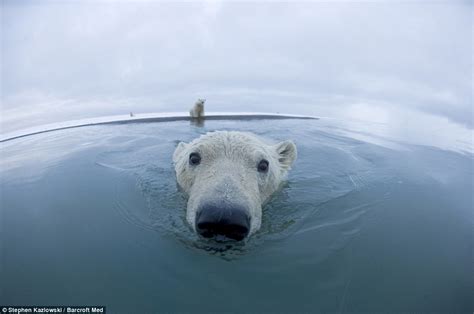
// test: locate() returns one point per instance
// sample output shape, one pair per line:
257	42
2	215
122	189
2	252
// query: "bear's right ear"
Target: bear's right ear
178	152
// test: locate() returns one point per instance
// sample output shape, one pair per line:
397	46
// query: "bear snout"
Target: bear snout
226	220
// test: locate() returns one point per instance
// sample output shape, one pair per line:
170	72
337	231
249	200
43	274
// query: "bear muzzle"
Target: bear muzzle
231	221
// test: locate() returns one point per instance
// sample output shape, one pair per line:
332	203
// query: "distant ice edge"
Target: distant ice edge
147	117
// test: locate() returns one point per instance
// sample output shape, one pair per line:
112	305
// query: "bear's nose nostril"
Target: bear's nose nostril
230	221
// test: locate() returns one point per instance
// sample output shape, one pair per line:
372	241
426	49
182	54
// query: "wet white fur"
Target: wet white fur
228	171
198	110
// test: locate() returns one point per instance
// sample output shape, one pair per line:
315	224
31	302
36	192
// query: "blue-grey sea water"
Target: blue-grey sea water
93	216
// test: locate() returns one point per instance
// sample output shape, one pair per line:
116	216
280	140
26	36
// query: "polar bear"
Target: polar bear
198	110
228	176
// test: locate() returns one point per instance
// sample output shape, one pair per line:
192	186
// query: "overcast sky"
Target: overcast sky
77	59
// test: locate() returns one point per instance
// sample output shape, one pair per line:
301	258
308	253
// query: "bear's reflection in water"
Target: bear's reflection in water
197	122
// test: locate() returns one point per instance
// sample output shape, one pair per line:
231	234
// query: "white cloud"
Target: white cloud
157	55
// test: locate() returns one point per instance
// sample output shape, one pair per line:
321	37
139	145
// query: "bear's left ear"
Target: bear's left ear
287	153
178	151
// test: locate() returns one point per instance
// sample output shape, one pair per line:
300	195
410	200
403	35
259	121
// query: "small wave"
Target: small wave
341	221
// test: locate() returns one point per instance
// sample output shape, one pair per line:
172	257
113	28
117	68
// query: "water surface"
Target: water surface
364	223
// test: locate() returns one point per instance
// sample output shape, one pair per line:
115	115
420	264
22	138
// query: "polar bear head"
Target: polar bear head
228	176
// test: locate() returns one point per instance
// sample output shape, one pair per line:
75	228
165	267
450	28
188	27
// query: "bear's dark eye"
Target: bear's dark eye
194	159
263	166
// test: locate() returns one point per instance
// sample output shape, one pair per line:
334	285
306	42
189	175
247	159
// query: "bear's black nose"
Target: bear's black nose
230	221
